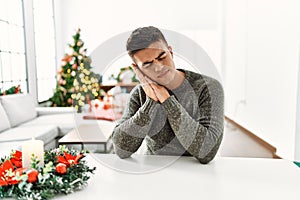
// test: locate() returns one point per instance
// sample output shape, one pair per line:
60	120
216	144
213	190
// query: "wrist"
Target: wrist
163	99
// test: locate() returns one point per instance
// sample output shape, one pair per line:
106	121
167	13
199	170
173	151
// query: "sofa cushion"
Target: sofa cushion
19	108
4	122
64	122
45	133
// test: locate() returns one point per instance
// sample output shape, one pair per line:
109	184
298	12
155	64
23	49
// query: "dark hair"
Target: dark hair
142	38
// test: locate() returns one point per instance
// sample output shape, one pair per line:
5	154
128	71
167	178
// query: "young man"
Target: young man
177	112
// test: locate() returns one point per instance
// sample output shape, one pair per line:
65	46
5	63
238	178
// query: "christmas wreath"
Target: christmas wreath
11	90
122	70
64	172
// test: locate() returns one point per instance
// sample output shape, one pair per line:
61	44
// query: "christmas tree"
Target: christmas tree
76	85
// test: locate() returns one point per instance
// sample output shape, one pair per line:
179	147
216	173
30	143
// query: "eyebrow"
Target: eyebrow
161	54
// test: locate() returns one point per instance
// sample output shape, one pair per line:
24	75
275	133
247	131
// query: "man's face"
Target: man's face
156	62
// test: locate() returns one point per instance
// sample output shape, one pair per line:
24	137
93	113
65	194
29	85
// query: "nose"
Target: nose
157	66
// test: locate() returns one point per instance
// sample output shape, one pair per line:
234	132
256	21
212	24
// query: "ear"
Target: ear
171	50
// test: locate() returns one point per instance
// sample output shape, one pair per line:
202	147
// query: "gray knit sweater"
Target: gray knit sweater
189	122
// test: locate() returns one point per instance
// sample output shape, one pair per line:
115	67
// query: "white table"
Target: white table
185	178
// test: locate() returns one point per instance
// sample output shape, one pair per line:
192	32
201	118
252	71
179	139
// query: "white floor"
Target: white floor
238	144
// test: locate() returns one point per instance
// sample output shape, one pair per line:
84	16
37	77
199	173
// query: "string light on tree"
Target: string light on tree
76	83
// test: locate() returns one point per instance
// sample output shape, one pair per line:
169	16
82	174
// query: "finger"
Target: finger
140	75
157	88
150	81
146	82
136	70
154	87
134	66
149	90
160	92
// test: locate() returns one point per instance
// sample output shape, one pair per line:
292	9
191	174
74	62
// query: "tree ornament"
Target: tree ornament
74	66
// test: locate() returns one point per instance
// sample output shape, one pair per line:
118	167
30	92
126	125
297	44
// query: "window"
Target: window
44	35
12	45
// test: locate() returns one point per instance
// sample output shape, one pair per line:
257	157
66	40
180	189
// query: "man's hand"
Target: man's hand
145	83
152	89
161	92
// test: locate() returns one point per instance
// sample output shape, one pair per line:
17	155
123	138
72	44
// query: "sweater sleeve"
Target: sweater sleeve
200	135
131	130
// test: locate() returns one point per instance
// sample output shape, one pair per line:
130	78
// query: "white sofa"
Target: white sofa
21	119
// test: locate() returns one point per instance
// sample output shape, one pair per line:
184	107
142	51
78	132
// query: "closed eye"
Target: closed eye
162	56
147	64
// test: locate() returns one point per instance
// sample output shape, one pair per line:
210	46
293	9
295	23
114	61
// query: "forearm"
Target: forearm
202	136
133	127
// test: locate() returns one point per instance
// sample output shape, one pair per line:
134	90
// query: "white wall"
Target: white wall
101	20
262	42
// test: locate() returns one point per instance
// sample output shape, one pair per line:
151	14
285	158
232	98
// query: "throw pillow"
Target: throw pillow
19	108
